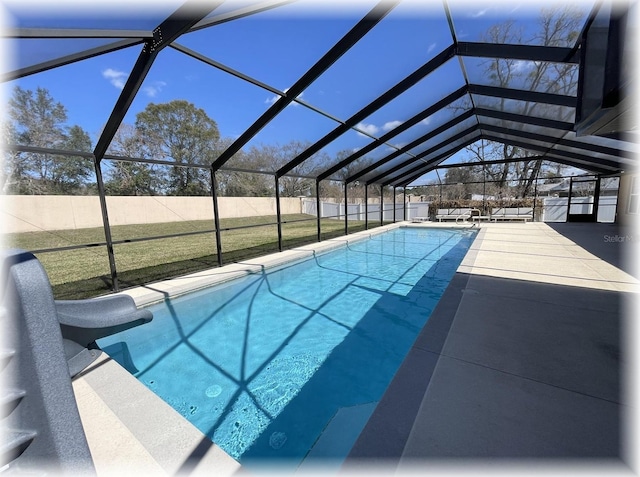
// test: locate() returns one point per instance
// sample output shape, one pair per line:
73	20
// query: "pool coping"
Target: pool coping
131	416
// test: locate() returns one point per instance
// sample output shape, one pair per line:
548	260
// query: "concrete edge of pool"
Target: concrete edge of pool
130	429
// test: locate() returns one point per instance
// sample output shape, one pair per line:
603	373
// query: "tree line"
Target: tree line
177	131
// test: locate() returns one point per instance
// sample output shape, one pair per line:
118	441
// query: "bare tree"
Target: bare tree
558	27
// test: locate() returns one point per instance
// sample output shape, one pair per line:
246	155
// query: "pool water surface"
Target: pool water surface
263	364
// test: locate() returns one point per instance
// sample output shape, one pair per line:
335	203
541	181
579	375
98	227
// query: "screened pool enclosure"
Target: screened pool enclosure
287	122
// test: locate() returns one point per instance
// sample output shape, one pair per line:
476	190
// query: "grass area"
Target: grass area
85	272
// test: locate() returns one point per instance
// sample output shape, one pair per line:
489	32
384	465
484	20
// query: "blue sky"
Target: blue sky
274	47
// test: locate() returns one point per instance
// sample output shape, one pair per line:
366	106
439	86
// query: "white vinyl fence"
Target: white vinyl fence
555	208
334	210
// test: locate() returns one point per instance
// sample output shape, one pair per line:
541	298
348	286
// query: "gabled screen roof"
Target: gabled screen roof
380	92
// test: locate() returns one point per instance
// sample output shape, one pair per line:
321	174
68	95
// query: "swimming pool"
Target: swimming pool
264	364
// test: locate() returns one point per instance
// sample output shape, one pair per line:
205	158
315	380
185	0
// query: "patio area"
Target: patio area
526	360
527	357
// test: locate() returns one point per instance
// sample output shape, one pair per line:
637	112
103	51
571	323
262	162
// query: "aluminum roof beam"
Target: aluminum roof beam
517	118
490	162
531	158
448	125
418	157
239	13
430	164
517	52
394	92
524	95
396	131
552	140
63	33
522	118
68	59
577	160
473	88
339	49
169	30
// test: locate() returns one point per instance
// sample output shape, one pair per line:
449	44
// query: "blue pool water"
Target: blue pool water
262	364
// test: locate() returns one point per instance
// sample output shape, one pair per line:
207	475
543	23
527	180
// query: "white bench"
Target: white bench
453	214
512	213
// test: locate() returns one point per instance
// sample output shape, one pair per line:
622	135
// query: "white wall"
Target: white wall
31	213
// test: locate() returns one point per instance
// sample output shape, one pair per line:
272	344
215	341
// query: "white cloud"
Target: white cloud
272	100
367	128
153	89
275	98
426	121
432	46
115	77
479	13
391	125
520	65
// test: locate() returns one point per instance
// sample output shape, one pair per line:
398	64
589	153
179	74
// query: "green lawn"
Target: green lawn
85	272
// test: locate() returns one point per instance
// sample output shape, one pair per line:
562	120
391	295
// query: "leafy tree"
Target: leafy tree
134	178
243	184
69	174
185	134
13	166
38	120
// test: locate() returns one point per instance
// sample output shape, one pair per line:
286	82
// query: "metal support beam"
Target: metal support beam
394	204
389	95
366	206
424	138
517	138
107	228
346	211
318	211
68	59
396	131
495	161
431	164
431	150
552	140
523	95
381	205
240	13
522	118
404	203
570	159
216	216
63	33
278	214
339	49
517	52
185	17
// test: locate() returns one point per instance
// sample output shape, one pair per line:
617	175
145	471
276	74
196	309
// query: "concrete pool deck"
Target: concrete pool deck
525	357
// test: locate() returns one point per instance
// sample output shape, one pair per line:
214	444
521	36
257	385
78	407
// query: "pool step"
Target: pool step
338	437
